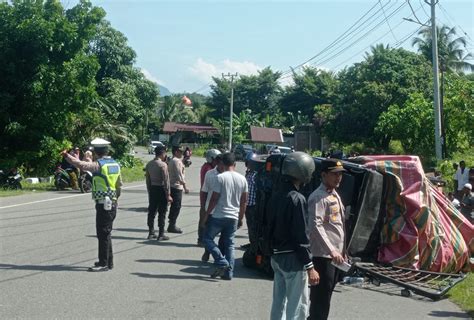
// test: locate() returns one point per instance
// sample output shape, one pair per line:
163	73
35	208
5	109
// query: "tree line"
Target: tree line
68	75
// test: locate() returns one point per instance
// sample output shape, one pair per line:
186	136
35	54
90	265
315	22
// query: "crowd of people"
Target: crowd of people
306	237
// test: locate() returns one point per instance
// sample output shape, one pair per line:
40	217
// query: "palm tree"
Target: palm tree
452	50
452	55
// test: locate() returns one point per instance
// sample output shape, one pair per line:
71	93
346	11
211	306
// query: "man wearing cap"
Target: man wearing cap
177	185
467	202
106	187
159	195
326	232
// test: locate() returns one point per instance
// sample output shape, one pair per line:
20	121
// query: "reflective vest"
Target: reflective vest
104	181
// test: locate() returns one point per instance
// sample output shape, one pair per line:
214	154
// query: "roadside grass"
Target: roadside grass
133	174
27	188
128	175
463	294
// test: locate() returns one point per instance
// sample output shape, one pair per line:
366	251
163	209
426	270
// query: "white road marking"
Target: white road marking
60	198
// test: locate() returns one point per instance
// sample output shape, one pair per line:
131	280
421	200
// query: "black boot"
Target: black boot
161	236
152	235
172	228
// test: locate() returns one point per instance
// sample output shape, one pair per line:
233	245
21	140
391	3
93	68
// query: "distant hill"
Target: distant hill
164	91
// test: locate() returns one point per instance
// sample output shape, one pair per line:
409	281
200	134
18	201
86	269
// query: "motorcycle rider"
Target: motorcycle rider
71	171
106	189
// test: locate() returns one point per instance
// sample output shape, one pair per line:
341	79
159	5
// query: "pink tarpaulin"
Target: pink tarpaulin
422	229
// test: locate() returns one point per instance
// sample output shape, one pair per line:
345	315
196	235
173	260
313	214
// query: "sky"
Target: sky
182	44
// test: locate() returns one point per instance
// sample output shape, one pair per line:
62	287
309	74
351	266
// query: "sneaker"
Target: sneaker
205	256
219	272
174	229
110	266
162	237
98	268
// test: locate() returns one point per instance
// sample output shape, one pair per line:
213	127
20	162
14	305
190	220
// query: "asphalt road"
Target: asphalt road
47	241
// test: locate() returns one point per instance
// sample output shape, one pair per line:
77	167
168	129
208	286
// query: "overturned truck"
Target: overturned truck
399	227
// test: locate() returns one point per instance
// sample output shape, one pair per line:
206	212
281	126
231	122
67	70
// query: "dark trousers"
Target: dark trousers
103	222
250	219
175	207
320	295
157	202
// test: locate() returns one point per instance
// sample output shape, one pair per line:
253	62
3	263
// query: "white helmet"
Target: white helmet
211	154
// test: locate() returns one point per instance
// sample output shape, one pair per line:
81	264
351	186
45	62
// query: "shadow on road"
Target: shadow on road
134	191
391	290
183	262
57	267
173	276
203	268
136	209
449	314
132	230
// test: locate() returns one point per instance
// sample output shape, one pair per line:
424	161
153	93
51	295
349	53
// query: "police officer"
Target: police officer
327	234
106	187
158	187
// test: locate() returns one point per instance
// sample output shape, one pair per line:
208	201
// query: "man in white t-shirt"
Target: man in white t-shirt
227	205
210	180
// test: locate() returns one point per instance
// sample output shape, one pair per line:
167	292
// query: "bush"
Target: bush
129	161
446	166
200	151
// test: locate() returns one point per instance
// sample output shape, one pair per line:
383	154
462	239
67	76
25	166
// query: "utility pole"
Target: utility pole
231	76
436	98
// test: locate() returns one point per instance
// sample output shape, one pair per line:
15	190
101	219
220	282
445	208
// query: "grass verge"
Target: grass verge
128	175
463	294
133	174
27	188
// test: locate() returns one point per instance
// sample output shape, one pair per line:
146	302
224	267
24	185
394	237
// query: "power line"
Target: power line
354	42
360	38
202	88
338	39
378	39
385	15
414	14
446	14
423	7
339	45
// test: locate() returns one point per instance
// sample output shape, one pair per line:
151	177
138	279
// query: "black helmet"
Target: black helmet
298	165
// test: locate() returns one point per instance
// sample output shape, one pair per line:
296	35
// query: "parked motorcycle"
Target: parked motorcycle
62	180
11	179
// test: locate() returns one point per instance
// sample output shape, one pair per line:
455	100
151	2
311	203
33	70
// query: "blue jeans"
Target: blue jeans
290	288
227	228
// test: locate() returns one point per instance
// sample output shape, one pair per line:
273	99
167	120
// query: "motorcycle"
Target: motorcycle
11	179
62	179
187	162
85	181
